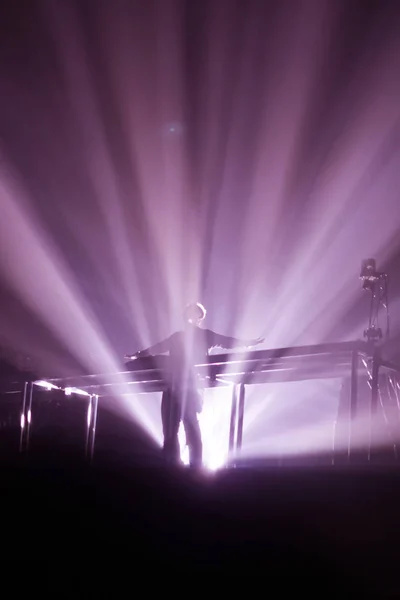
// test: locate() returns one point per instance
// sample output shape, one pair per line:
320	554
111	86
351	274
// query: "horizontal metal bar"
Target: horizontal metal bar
161	362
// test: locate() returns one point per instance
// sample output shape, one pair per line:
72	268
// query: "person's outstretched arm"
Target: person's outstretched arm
216	340
159	348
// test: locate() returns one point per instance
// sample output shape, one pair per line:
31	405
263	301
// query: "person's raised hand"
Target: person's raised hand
131	356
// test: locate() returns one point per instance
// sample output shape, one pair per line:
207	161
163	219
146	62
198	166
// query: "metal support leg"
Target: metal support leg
88	422
232	430
91	426
26	417
23	417
384	400
237	416
337	444
396	393
242	398
353	400
374	402
395	390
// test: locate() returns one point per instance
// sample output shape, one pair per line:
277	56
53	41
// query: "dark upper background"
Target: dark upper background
251	144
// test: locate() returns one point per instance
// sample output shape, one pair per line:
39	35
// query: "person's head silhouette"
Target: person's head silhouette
194	313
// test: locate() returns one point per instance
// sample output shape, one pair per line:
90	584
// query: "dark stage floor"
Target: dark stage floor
332	530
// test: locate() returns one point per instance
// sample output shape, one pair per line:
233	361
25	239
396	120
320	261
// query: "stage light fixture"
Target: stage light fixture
376	283
368	270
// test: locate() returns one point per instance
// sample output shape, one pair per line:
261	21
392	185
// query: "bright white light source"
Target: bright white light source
29	416
89	414
22	421
46	385
216	461
214	425
185	455
72	390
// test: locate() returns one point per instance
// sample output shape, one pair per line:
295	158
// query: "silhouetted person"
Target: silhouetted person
182	400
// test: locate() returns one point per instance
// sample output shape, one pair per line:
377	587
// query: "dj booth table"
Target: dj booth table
347	360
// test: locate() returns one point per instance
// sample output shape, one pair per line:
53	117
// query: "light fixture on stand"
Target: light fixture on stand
377	284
